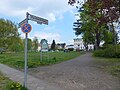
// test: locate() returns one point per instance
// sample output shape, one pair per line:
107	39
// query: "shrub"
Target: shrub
110	51
70	49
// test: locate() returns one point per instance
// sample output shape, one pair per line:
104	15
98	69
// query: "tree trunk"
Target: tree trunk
97	41
86	47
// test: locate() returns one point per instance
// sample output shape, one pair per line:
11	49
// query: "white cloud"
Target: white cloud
61	17
44	35
51	9
48	28
70	42
48	36
51	17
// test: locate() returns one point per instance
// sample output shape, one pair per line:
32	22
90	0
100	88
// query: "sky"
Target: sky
59	14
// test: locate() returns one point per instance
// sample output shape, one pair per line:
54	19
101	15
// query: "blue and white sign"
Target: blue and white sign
44	45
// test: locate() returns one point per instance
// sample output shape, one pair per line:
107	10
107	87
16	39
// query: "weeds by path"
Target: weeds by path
111	65
3	82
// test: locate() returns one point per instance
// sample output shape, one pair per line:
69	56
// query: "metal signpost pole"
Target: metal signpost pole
41	55
26	55
26	28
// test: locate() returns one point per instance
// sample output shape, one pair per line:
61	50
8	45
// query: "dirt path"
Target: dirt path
77	74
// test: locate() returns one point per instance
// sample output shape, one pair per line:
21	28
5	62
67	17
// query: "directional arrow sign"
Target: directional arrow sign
39	20
21	23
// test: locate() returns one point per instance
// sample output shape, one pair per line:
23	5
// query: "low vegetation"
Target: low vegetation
15	86
3	82
7	84
109	59
109	51
111	65
17	59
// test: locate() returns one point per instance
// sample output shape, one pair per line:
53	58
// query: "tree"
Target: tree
35	44
111	12
8	34
95	16
17	45
53	46
108	37
89	27
29	44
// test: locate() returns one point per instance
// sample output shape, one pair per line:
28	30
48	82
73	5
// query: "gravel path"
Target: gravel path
77	74
32	82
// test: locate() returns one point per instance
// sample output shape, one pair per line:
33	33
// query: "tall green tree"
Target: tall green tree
35	44
53	46
89	26
17	45
8	34
95	17
29	44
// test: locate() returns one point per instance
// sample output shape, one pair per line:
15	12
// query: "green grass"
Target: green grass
3	82
111	65
7	84
17	59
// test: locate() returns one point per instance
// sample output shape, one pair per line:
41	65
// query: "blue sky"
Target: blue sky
60	15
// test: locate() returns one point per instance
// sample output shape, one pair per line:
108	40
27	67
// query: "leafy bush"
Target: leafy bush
15	86
110	51
115	70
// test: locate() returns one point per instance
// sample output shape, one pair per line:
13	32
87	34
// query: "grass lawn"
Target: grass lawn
3	82
17	59
111	65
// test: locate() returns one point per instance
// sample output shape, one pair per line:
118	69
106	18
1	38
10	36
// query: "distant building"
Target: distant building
49	46
39	47
79	44
61	45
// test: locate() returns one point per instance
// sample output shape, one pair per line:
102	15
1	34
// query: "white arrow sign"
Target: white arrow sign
39	20
21	23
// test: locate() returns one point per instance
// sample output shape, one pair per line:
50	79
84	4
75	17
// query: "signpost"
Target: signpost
37	19
44	47
26	28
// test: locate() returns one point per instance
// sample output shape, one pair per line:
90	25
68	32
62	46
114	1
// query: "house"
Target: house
61	45
79	44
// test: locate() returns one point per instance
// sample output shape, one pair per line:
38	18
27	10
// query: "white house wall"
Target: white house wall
79	44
